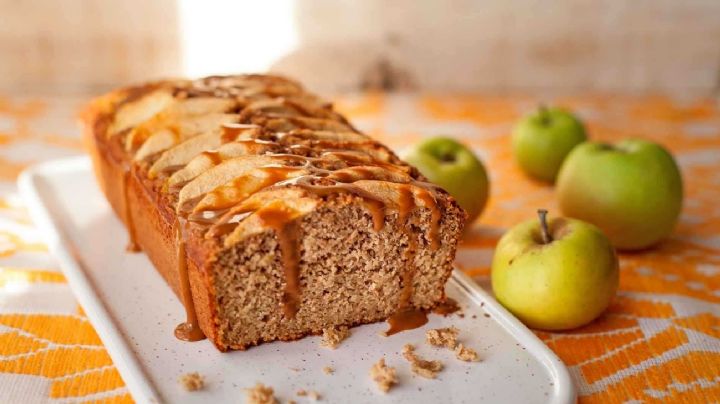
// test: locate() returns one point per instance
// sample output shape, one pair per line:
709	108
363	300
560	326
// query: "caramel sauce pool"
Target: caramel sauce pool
406	320
449	306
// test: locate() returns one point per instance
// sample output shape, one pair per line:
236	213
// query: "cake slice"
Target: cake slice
268	214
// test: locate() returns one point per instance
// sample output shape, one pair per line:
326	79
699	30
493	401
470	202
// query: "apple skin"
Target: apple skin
633	191
542	140
561	285
455	168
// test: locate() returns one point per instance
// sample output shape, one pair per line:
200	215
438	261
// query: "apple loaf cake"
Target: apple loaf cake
268	214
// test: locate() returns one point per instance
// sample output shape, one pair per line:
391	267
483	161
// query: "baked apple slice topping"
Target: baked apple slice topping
181	116
278	107
227	171
134	112
239	222
181	130
288	124
294	136
181	154
240	188
209	159
178	156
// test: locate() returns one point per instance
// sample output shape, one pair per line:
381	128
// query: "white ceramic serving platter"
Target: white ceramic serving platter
135	312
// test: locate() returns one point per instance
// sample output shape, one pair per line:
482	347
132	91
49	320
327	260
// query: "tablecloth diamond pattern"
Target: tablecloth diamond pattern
658	342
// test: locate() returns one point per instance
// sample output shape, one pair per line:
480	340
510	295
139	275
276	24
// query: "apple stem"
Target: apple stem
544	116
542	214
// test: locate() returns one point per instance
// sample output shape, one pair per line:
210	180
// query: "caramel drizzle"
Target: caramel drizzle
272	174
406	317
190	329
286	230
230	131
406	204
377	211
435	215
276	175
375	206
213	155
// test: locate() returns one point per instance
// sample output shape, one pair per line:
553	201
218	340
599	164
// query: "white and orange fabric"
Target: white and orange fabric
658	342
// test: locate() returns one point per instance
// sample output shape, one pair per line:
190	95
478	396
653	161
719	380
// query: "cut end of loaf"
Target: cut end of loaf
349	274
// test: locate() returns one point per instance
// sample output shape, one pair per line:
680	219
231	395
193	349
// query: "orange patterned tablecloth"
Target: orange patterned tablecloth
658	342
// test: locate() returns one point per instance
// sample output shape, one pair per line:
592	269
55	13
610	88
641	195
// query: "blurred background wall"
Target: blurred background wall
77	46
568	45
663	46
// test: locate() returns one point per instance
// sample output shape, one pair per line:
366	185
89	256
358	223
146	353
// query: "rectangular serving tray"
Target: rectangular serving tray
135	312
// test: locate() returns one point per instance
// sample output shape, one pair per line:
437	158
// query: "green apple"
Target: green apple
557	275
632	190
542	140
455	168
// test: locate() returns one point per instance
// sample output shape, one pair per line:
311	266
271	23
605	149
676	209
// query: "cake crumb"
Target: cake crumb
192	381
466	354
447	337
314	395
420	366
261	394
333	336
328	370
443	337
384	376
